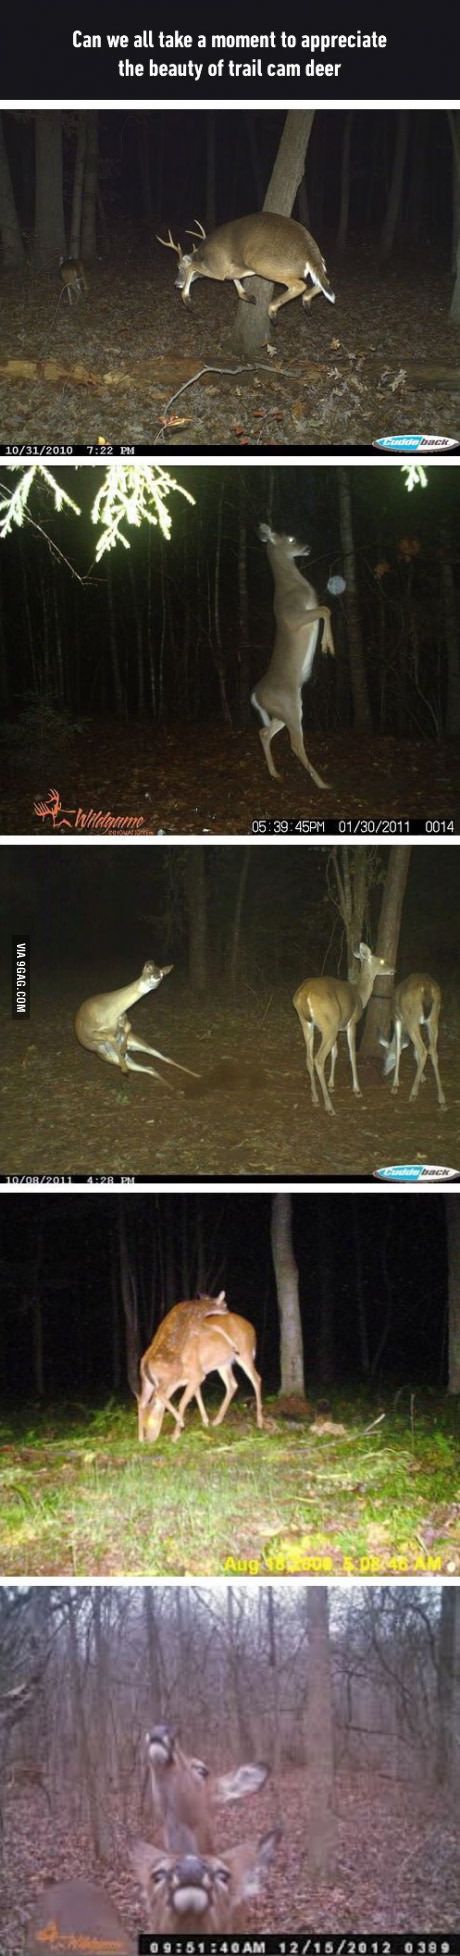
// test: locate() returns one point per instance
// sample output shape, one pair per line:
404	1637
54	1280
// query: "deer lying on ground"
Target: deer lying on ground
335	1005
73	276
200	1340
101	1024
77	1915
186	1795
265	245
277	697
417	1002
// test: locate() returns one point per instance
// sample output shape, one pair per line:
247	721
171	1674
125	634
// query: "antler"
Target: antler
170	245
199	233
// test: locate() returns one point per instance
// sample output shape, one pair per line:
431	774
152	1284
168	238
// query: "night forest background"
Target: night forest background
86	1283
355	1302
377	190
105	665
349	1695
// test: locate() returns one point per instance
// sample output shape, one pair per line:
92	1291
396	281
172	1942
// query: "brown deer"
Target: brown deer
77	1915
73	276
23	1776
277	697
335	1005
186	1892
265	245
417	1002
101	1024
186	1794
182	1354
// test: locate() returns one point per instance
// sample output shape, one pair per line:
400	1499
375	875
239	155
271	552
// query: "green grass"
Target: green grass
79	1497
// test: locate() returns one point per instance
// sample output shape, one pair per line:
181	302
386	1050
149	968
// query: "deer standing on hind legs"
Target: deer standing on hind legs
335	1005
417	1002
101	1024
277	697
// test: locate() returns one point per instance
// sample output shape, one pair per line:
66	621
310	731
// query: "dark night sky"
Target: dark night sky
215	1242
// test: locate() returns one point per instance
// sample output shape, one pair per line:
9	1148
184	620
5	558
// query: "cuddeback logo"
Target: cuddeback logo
410	443
415	1171
91	818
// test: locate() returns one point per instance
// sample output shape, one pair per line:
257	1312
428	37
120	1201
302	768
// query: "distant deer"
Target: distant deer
102	1026
417	1002
202	1338
205	1894
24	1775
77	1915
186	1795
73	276
335	1005
277	697
263	246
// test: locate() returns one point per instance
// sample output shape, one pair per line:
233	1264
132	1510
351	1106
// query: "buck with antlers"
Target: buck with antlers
277	697
417	1002
101	1024
195	1338
265	245
335	1005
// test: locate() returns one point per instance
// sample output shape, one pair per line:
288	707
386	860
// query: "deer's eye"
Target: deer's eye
202	1771
223	1876
158	1876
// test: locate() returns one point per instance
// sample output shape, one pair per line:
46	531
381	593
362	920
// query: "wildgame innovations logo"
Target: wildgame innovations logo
416	444
416	1171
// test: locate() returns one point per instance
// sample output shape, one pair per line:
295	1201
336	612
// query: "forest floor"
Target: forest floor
64	1112
395	1838
105	369
208	780
371	1488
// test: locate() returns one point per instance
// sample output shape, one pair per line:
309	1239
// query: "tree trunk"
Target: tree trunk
77	192
287	1289
196	897
253	326
10	230
395	193
89	208
321	1829
345	183
449	607
379	1008
362	717
49	231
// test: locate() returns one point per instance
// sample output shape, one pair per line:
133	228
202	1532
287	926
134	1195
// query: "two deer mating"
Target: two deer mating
187	1885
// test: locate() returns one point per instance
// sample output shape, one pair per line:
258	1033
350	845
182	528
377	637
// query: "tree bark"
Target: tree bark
253	326
287	1288
379	1008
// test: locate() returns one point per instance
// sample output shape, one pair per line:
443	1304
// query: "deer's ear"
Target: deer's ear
246	1779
